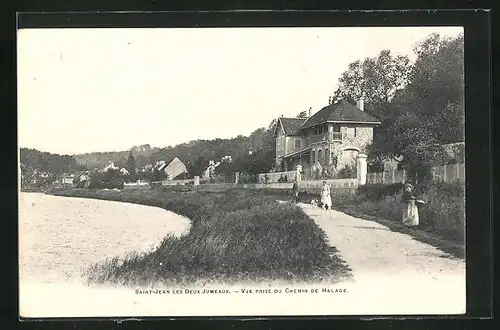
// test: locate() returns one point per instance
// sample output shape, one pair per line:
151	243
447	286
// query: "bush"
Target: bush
347	172
111	184
247	178
236	235
377	191
111	179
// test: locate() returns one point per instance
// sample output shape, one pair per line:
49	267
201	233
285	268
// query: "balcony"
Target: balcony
326	137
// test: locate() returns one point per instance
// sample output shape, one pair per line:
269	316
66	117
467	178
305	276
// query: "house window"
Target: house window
336	128
355	132
297	143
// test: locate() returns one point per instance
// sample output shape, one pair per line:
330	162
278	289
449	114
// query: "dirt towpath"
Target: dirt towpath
416	275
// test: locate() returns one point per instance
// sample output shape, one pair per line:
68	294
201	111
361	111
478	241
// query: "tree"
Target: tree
226	168
197	167
427	112
158	175
378	79
131	163
418	145
302	114
47	162
436	86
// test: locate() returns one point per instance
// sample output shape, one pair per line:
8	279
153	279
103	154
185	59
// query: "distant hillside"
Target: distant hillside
94	160
32	159
187	152
195	154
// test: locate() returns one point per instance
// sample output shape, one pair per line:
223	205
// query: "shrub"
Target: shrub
106	180
348	171
247	178
378	191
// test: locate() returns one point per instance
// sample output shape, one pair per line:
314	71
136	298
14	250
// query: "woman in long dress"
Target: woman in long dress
410	213
326	199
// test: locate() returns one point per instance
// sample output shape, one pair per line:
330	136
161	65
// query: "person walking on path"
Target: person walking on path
410	212
326	199
295	190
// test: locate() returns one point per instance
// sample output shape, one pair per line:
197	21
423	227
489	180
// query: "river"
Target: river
58	236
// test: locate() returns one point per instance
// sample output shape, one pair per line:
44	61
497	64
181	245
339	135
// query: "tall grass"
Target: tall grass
236	235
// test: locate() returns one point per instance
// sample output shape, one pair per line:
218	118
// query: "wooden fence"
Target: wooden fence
387	177
446	173
449	173
275	176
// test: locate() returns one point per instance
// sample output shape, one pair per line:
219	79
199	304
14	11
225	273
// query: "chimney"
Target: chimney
310	111
361	103
329	100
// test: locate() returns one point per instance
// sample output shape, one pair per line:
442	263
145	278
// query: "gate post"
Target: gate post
236	177
361	169
298	172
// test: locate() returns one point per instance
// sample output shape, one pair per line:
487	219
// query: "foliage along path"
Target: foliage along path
397	274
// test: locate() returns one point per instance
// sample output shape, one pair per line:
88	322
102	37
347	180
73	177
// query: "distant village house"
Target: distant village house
109	167
172	168
67	179
210	170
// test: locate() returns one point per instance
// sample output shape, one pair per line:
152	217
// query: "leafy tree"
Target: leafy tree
109	179
47	162
131	163
427	112
197	167
226	169
418	145
302	114
436	86
378	79
158	175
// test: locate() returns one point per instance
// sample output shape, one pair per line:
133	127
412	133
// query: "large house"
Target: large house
330	138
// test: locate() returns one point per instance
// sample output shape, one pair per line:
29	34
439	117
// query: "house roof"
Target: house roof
292	126
165	164
341	111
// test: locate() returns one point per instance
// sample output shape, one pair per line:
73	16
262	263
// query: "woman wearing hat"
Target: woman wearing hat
410	213
326	199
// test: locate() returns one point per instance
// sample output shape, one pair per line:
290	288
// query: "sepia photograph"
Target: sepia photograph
256	171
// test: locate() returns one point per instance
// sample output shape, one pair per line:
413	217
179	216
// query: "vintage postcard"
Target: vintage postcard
241	171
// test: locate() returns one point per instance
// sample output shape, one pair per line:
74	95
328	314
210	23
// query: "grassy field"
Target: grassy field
236	235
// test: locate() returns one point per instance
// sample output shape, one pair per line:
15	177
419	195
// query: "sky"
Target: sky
86	90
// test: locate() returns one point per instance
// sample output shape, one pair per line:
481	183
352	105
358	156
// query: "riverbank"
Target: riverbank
235	236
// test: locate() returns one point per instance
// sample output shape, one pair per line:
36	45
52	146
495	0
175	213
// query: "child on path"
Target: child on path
326	199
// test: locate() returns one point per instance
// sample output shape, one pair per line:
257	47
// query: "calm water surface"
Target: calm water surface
60	235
